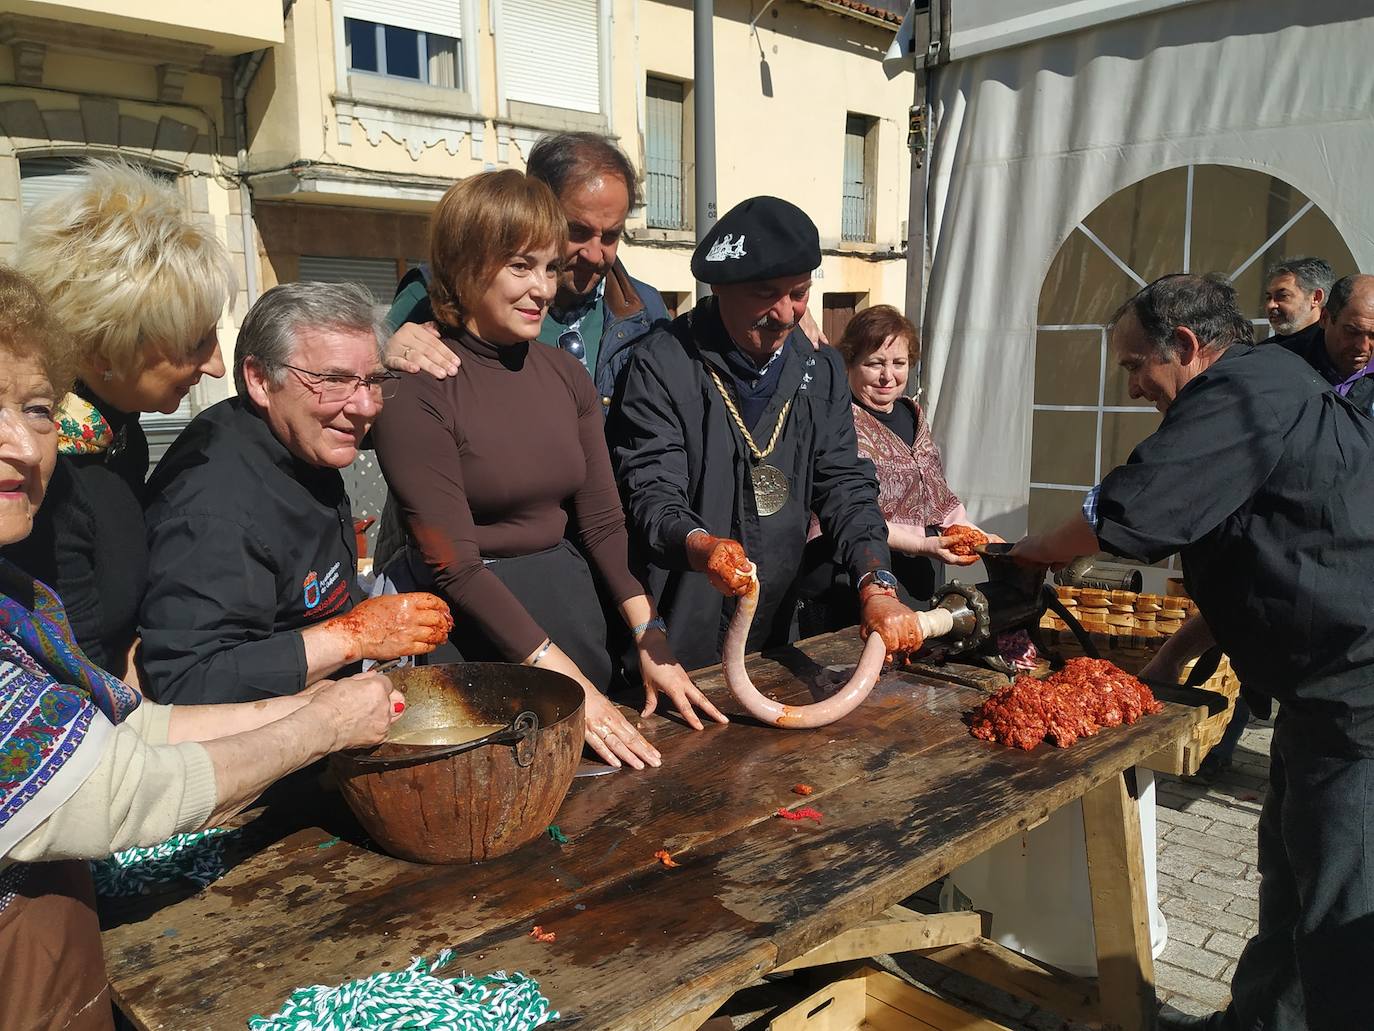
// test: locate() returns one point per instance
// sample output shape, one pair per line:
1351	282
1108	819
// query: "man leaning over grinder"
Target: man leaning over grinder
729	429
1262	477
250	533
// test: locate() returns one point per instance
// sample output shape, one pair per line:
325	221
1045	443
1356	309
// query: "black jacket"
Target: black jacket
1310	345
87	541
682	463
247	544
1263	479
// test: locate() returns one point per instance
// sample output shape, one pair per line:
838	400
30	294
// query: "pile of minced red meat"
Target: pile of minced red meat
1078	701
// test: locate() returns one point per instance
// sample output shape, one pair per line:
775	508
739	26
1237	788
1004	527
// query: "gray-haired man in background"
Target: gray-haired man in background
1295	291
252	556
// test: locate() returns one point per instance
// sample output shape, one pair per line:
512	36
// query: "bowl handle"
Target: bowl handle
523	733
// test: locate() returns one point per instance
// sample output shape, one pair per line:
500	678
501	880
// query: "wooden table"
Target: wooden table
906	794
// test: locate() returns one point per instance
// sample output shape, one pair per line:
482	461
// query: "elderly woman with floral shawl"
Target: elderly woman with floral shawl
87	767
879	347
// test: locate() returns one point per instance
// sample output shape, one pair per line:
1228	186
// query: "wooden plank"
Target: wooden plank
839	1006
1061	993
788	887
887	990
692	1021
897	930
1121	919
906	794
356	906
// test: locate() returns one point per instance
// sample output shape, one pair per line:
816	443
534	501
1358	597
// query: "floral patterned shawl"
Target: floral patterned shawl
911	480
52	701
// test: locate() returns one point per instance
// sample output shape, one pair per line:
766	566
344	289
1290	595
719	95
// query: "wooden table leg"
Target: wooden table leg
1121	920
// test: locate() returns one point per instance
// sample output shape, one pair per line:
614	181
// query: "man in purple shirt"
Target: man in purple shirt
1341	351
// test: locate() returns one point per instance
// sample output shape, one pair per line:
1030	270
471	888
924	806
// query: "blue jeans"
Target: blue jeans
1240	719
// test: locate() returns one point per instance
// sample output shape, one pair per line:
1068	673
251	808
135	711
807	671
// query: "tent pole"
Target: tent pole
923	154
704	114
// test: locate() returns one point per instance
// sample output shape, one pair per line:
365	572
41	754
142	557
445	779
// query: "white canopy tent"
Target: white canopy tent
1043	115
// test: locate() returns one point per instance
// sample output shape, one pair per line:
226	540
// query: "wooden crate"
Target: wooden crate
1131	646
874	1000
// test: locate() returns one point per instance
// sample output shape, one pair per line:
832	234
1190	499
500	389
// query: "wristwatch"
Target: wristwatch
880	578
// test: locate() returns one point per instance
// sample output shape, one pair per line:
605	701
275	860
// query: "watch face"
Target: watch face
885	579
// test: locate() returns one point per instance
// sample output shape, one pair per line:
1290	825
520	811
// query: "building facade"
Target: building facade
322	132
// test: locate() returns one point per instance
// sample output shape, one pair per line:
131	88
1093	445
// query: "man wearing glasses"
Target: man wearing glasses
250	532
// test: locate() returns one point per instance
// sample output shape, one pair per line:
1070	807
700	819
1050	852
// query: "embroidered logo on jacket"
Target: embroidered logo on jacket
726	247
312	589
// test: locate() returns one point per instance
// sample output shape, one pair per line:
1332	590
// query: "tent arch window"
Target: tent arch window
1196	218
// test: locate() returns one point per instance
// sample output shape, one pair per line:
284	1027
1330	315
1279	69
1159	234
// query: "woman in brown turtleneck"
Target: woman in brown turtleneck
488	465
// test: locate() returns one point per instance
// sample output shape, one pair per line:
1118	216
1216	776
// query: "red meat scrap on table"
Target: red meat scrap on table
963	539
1078	701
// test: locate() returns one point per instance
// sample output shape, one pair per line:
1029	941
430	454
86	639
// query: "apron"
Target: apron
557	590
50	956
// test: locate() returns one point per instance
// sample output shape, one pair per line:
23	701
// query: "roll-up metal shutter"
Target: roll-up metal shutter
377	274
43	178
444	17
550	53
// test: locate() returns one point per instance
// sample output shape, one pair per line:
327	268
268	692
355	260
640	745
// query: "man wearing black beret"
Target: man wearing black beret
729	429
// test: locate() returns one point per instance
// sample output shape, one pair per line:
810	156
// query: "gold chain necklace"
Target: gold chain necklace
770	483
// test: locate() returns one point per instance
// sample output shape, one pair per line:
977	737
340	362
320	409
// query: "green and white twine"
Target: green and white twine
415	1000
196	857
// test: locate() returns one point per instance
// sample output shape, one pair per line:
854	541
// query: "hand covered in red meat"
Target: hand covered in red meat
723	561
393	626
961	541
882	614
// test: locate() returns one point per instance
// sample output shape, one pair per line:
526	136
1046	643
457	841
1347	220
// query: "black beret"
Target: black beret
760	238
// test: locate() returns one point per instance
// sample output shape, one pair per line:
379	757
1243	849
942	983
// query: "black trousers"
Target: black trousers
1311	964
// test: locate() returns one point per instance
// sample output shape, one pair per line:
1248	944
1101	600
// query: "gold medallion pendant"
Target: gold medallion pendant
770	483
770	488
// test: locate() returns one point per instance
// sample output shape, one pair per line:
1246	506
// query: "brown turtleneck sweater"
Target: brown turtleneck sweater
490	463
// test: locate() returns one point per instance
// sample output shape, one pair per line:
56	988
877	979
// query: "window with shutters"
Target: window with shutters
664	159
549	54
856	212
418	40
402	53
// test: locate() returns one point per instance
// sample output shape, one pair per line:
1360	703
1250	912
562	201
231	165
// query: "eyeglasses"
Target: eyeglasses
571	341
334	388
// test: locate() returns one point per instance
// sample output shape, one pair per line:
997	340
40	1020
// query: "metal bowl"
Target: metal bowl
431	804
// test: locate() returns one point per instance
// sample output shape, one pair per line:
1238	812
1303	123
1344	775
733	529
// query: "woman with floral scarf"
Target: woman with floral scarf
87	767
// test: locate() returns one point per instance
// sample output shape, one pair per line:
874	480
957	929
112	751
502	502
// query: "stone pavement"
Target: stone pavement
1208	881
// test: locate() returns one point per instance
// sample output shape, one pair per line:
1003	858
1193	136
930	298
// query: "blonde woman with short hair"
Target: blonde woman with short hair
138	287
